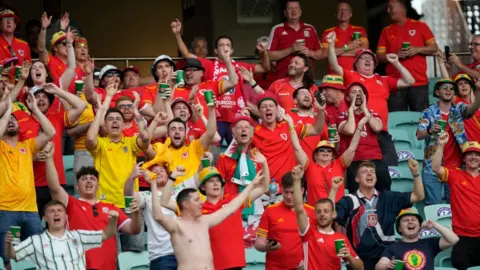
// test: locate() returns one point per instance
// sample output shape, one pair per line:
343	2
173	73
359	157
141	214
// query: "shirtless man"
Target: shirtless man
189	233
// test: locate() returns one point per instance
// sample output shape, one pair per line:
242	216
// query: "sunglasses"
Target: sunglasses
112	74
327	150
125	106
95	212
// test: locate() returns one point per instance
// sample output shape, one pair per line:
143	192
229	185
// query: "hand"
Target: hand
25	70
412	51
392	58
223	54
287	118
258	157
352	45
214	103
70	36
136	101
161	118
455	60
65	21
45	20
271	247
49	149
137	170
51	88
298	47
198	109
89	65
436	128
440	56
402	54
323	103
193	94
178	171
443	138
261	48
344	251
364	103
336	139
306	52
112	88
428	224
331	38
247	75
209	156
297	173
112	214
134	205
352	103
364	121
176	26
413	165
245	111
392	263
337	182
259	178
32	102
6	97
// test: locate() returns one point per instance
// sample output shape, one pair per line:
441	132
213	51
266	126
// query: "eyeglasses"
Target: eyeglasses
328	150
125	106
473	44
366	58
95	212
64	43
112	74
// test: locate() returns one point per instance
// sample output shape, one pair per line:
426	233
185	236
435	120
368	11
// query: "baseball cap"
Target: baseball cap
106	69
7	13
332	81
360	53
57	37
407	212
193	63
243	118
161	58
471	146
206	174
131	68
443	81
181	100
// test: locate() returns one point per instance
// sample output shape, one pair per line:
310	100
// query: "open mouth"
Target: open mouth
38	74
57	220
115	127
243	136
268	115
369	179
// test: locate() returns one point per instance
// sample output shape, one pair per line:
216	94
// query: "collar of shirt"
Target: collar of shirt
83	200
360	195
302	25
64	237
331	232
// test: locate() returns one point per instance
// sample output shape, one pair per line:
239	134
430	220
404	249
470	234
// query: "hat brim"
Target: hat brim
358	57
472	85
110	70
438	84
181	100
17	19
397	222
471	149
207	177
58	40
153	69
331	85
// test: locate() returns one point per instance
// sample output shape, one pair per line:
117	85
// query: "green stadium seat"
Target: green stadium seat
401	139
255	257
444	258
445	268
402	179
22	265
399	120
474	268
133	261
2	266
405	154
69	174
441	213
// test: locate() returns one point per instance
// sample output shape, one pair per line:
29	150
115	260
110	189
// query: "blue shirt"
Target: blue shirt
417	255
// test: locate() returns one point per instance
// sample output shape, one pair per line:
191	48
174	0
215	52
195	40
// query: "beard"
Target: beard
304	107
12	133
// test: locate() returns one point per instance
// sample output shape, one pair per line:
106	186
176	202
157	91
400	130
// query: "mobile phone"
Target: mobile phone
447	52
272	242
319	97
141	159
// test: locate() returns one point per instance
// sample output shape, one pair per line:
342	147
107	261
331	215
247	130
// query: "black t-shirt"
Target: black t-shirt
416	256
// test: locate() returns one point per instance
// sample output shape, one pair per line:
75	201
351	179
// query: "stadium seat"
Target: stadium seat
444	258
441	213
401	139
445	268
402	120
22	265
133	261
405	154
2	266
69	174
474	268
255	258
402	179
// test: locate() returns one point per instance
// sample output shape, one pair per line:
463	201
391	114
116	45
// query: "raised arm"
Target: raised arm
475	105
89	89
218	216
143	139
448	239
247	76
232	73
348	127
46	126
418	193
264	65
92	133
406	78
176	30
258	191
21	82
68	74
169	224
77	105
129	188
332	56
302	217
375	123
441	64
111	228
198	110
437	157
78	129
300	154
6	115
317	127
349	154
474	74
56	190
42	38
208	136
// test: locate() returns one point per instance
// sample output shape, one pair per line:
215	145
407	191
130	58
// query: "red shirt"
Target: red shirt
309	143
56	68
194	132
472	125
226	238
475	65
226	167
368	147
283	36
319	181
232	101
378	87
452	154
419	35
284	89
147	92
279	222
333	112
275	145
215	86
464	196
321	250
59	118
19	47
124	92
81	217
265	79
343	38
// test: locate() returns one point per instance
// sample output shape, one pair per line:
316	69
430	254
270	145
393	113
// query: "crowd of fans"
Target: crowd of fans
310	162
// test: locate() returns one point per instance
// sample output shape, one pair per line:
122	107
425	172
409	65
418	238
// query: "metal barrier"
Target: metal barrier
151	59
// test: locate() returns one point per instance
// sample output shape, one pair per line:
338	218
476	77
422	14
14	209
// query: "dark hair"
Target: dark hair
308	80
53	203
287	180
197	38
223	37
29	80
86	170
33	23
176	120
325	200
113	110
290	1
183	196
368	164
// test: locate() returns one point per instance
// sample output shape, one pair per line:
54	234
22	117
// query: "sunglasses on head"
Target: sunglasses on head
95	212
125	106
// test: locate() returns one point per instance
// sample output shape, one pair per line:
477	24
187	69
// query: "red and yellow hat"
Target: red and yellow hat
57	37
80	42
332	81
8	13
472	146
208	173
464	76
324	144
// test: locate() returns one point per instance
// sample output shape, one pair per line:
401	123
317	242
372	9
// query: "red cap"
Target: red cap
178	100
360	52
245	118
134	68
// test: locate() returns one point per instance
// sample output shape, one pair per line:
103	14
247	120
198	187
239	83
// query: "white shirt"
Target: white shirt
64	253
159	243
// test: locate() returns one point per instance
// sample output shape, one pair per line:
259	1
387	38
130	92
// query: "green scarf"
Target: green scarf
244	174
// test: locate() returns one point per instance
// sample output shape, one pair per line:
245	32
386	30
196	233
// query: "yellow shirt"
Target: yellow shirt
17	185
87	116
114	162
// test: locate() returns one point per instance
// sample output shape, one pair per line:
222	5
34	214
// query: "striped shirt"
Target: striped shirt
67	252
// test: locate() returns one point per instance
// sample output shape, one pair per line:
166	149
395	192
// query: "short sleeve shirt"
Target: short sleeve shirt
309	143
417	255
319	180
283	89
19	49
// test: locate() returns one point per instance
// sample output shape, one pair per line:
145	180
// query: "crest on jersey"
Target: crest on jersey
125	149
105	209
284	136
21	52
412	32
306	33
23	150
372	220
379	82
191	138
185	155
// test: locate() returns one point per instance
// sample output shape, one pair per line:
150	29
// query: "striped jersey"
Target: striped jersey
67	252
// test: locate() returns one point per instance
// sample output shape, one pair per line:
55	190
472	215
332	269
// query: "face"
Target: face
114	124
8	25
324	154
3	84
193	204
193	76
126	107
56	217
344	12
475	48
87	186
38	73
177	133
243	132
395	10
111	76
324	214
162	174
32	35
81	53
331	95
472	160
304	99
43	103
351	94
225	45
268	111
297	67
288	196
181	110
199	48
445	92
213	187
365	64
409	226
464	88
293	12
12	127
163	70
131	79
60	48
366	177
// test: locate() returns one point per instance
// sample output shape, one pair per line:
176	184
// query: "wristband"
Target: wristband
171	178
345	47
255	85
416	175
